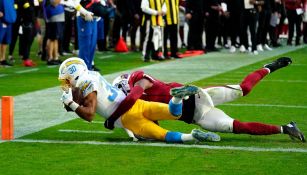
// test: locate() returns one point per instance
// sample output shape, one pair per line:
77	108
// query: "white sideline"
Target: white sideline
104	57
84	131
282	81
266	105
98	122
41	109
236	148
27	70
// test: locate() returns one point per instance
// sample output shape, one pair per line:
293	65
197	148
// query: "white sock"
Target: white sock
187	137
176	100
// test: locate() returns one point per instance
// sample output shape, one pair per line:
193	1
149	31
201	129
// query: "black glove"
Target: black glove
109	124
68	109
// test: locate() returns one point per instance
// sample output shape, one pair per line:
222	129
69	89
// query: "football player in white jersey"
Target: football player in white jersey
103	98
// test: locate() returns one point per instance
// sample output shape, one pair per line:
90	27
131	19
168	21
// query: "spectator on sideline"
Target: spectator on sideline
55	17
248	19
182	22
153	23
213	12
7	18
171	28
135	24
195	17
294	10
15	35
265	12
27	30
70	14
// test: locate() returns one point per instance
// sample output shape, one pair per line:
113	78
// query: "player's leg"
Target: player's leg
213	120
222	94
256	128
144	128
150	130
180	93
216	120
253	78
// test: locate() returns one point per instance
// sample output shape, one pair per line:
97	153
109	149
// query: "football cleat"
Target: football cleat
293	131
184	91
205	136
279	63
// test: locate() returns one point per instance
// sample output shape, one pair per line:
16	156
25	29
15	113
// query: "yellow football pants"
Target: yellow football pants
139	119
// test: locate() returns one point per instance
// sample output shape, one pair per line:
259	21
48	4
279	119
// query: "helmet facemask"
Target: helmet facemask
122	84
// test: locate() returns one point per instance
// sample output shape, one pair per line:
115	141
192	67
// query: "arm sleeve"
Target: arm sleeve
146	9
135	93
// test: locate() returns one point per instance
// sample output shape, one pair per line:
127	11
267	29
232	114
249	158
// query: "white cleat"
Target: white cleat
184	91
205	136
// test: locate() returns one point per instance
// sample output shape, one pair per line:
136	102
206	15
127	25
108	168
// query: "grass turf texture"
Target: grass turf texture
283	87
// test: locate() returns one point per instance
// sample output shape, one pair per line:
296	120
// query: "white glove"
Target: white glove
88	16
67	97
68	3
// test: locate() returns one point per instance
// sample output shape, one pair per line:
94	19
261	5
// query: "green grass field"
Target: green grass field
278	99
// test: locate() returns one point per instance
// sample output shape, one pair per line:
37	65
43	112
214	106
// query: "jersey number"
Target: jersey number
113	93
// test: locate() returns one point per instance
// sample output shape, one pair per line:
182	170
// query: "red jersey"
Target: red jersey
159	92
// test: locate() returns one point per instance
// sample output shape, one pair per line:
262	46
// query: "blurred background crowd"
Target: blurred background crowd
156	28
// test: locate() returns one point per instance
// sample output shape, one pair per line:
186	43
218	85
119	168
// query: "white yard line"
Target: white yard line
267	105
281	81
26	71
99	122
104	57
3	75
42	109
236	148
84	131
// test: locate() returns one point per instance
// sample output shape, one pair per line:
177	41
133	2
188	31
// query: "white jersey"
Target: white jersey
108	97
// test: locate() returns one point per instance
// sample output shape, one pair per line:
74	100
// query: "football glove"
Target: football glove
109	124
67	97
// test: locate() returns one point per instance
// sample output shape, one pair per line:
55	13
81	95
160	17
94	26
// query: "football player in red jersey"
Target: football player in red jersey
200	109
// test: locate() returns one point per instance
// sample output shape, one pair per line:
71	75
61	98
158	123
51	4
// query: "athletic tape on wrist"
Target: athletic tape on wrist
73	106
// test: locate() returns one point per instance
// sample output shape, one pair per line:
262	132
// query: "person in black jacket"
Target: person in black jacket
27	32
123	18
195	17
213	12
265	12
15	34
135	24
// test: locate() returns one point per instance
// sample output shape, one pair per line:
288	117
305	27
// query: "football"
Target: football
77	96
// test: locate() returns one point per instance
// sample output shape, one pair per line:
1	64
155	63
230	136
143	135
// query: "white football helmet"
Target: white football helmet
121	82
70	71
